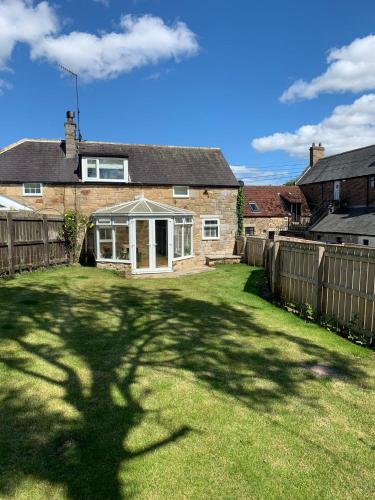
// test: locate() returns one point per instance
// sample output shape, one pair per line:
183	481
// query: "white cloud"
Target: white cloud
4	85
21	22
351	68
140	41
262	176
349	126
104	2
145	40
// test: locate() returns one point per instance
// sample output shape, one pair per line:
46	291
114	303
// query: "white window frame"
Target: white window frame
112	224
85	177
183	224
187	195
256	206
32	194
210	238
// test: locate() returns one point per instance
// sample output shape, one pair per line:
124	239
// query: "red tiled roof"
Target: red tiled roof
271	202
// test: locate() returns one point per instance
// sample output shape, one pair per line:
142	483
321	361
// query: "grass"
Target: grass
189	387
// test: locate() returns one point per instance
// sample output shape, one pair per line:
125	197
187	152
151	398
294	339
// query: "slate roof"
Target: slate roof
44	161
270	200
360	221
355	163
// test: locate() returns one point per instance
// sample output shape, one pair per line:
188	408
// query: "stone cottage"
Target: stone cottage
269	210
154	208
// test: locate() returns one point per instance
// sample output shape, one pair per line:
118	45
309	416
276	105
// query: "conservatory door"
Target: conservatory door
152	245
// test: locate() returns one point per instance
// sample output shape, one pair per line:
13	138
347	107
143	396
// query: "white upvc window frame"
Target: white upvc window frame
110	224
210	238
86	178
24	193
186	221
187	195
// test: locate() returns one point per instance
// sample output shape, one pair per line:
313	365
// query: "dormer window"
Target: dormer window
253	206
105	169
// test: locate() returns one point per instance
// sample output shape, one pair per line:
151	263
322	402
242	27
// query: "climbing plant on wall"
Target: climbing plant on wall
240	208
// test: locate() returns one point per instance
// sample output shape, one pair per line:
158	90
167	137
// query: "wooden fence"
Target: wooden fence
338	281
29	242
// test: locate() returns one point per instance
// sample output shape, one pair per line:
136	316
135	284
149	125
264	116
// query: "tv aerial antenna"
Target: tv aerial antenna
75	76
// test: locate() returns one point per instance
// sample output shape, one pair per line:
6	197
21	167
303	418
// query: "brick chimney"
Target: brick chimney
316	153
70	135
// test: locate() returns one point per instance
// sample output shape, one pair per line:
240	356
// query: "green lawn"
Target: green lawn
177	388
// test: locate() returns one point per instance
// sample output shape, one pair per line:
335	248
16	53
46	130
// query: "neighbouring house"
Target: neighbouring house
269	210
340	190
154	208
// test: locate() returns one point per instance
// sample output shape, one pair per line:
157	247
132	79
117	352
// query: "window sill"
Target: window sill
182	196
210	239
28	195
176	259
103	181
114	261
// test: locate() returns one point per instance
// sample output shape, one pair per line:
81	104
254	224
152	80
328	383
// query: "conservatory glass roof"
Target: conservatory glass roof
142	206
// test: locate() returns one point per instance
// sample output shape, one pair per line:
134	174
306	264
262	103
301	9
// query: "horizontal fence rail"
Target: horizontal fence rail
337	281
30	242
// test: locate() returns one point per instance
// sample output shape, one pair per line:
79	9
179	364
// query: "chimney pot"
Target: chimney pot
316	153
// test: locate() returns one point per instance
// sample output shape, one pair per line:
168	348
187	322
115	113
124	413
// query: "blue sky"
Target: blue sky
205	74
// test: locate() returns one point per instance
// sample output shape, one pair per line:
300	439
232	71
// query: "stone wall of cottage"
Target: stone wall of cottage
262	225
218	202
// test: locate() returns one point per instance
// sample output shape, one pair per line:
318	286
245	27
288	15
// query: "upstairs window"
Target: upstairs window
180	192
250	231
105	169
32	189
253	206
210	229
372	182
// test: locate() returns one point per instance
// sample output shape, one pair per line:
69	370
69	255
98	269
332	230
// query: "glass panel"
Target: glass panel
177	241
91	168
161	240
105	250
179	220
105	233
122	243
211	229
105	243
187	241
111	169
120	220
33	188
180	190
142	239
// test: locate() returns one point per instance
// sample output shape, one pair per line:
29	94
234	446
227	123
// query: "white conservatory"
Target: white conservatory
144	234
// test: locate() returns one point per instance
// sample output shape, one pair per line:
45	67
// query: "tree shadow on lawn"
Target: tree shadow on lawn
96	344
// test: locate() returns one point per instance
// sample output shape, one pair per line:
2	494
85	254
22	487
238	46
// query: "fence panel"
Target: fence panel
348	284
30	241
297	268
254	251
336	280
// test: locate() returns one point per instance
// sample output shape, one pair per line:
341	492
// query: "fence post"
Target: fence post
45	241
264	253
275	268
10	229
318	278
